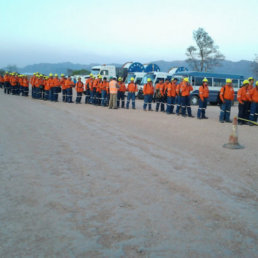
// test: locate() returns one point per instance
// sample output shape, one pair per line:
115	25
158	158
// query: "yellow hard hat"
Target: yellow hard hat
50	74
149	80
205	80
245	82
46	77
228	81
256	83
132	79
186	79
62	74
120	79
34	73
250	78
91	74
56	74
100	77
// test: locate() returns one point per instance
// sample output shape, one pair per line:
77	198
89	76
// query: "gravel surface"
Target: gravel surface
86	181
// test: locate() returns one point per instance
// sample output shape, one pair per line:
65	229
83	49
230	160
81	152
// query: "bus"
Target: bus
215	81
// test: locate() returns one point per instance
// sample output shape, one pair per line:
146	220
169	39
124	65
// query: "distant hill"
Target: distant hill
242	67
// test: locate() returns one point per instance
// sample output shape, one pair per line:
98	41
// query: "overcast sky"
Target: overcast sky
81	31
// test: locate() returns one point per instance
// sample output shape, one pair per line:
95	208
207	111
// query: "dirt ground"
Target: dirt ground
86	181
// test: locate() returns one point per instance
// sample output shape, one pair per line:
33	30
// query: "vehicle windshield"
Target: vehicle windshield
95	71
146	77
128	78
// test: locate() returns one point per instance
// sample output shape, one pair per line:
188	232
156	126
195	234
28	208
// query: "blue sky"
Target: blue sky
119	31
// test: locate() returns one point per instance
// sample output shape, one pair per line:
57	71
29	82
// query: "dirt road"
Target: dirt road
85	181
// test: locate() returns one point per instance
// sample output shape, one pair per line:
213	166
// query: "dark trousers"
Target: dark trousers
120	97
179	104
103	98
69	95
202	108
46	97
160	102
130	96
243	111
64	95
225	111
87	97
185	100
170	104
25	92
147	101
254	111
79	97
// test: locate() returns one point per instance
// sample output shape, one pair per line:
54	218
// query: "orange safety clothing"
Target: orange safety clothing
253	95
148	89
113	87
242	95
132	87
79	86
203	91
186	88
227	93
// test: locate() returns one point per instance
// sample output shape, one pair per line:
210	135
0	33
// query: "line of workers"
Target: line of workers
100	91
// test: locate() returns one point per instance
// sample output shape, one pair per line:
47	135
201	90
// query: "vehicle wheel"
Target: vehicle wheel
194	100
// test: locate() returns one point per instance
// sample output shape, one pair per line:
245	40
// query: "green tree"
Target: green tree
205	55
80	72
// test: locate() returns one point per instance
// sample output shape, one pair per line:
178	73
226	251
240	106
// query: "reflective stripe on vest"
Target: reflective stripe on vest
112	87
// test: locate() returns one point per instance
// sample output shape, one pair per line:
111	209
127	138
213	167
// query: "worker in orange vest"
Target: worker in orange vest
62	84
253	98
98	91
203	99
69	84
148	91
171	95
13	82
132	89
113	89
46	88
249	88
25	84
88	85
55	88
121	93
1	81
79	89
104	92
226	96
159	95
186	89
243	102
7	83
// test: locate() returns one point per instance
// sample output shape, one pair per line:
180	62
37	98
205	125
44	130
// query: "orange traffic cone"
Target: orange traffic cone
233	138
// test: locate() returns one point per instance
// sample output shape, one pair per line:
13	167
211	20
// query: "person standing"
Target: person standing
226	96
148	91
131	88
25	85
159	95
171	96
253	98
121	93
113	89
69	84
79	89
88	85
104	90
243	102
186	89
203	99
6	83
62	84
